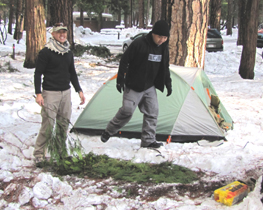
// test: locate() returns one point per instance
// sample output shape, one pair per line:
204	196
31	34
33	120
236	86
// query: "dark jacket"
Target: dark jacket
145	64
58	70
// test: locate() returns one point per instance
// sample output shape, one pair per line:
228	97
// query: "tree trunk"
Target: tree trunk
153	14
229	17
141	14
36	31
169	11
164	10
135	18
247	63
125	20
189	19
81	22
99	21
119	16
241	21
126	12
11	14
235	12
157	11
215	14
147	13
48	16
19	20
62	11
131	18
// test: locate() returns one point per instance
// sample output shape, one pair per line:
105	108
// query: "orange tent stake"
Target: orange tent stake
169	139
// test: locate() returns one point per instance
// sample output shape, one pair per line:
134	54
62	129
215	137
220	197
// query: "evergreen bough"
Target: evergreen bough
66	157
99	51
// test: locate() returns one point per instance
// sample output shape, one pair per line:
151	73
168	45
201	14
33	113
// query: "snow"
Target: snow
240	158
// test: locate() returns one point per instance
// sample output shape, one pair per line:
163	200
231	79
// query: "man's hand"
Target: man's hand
40	100
169	90
82	97
120	87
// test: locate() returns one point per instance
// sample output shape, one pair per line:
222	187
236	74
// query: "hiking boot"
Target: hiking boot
105	136
40	161
154	145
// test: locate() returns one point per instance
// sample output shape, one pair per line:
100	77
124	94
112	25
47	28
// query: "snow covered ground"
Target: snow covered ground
23	186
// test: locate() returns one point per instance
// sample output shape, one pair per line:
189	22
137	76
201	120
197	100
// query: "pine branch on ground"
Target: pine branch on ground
67	158
102	166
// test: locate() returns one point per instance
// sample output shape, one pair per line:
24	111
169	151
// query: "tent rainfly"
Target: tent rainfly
185	116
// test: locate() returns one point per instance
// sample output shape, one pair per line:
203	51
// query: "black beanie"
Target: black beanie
161	28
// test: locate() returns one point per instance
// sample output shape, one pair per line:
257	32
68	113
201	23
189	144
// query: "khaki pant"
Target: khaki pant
148	105
56	109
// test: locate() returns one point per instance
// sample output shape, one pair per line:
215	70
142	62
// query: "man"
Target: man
143	67
56	63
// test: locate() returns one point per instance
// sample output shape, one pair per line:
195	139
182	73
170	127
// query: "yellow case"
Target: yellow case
231	193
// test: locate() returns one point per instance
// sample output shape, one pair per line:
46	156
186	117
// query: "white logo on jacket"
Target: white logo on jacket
154	58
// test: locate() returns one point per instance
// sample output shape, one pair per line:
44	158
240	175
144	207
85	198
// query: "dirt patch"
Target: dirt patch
152	192
147	192
13	189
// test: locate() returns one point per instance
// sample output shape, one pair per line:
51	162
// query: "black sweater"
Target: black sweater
145	64
58	70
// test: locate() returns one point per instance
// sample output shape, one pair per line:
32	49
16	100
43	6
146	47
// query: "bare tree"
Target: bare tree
229	17
81	17
241	20
156	11
19	20
11	15
247	63
47	11
169	11
165	9
35	31
189	22
235	12
62	11
147	13
141	13
126	11
131	18
215	14
81	5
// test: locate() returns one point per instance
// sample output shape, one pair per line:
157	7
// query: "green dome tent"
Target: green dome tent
185	116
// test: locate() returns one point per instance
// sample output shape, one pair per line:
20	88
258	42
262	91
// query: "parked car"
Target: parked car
260	39
214	40
126	43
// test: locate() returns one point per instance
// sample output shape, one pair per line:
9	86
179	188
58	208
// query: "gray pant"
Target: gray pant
57	109
148	105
